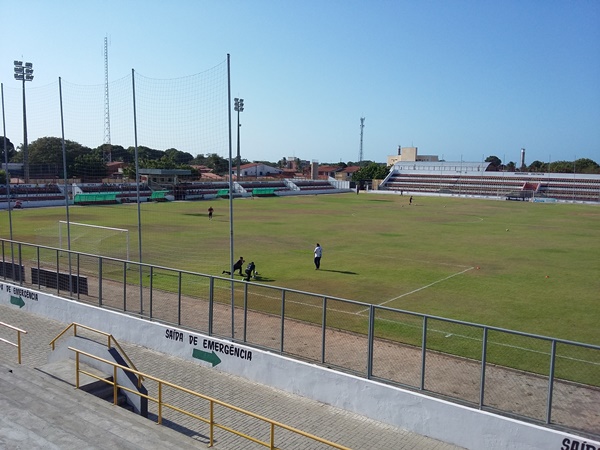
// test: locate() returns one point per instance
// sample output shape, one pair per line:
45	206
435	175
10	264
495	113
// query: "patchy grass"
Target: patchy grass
448	257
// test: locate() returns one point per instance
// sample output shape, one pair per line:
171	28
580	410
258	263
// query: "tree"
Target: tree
88	165
371	171
117	153
511	167
219	165
537	166
585	165
9	145
495	163
179	157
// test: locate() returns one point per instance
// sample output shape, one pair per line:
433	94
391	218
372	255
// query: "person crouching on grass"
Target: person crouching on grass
250	271
236	267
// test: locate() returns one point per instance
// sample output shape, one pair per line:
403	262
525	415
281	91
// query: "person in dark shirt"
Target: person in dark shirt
237	266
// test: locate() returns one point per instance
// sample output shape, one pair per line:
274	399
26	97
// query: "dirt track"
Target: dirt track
509	391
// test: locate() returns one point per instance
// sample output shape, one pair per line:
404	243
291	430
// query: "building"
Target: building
258	170
409	154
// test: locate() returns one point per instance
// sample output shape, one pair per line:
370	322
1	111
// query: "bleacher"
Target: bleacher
313	185
264	188
33	193
499	184
197	191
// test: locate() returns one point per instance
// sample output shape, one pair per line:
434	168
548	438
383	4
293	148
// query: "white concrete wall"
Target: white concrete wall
428	416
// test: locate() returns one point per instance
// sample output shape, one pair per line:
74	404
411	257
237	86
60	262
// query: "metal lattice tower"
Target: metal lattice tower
106	152
360	153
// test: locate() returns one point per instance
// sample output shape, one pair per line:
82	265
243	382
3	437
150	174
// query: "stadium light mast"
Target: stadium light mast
238	107
24	72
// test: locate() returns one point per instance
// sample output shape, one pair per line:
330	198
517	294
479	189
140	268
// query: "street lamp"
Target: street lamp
239	107
24	73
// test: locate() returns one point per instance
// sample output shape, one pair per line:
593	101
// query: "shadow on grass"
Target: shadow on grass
261	279
205	215
338	271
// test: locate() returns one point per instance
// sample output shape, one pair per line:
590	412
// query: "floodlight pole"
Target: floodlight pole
230	199
24	73
239	107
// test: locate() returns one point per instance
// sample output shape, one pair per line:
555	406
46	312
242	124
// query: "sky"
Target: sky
461	79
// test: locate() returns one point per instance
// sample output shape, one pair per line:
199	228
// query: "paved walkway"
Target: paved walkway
342	427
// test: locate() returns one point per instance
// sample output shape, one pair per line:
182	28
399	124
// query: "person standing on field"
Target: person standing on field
210	213
318	254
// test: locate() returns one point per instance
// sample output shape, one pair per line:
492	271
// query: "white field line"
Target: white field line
361	313
422	287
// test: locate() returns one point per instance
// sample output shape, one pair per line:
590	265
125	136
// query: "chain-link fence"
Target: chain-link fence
541	379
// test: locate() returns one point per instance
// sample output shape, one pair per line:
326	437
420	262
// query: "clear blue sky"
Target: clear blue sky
457	78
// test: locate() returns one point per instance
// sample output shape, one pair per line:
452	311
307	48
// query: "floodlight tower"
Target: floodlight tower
107	150
360	153
239	107
24	73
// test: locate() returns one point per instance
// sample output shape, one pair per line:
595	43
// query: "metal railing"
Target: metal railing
110	339
14	344
484	367
162	404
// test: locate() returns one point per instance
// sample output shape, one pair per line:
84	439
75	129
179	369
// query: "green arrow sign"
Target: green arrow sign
17	301
205	356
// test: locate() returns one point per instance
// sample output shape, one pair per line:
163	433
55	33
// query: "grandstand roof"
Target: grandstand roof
444	167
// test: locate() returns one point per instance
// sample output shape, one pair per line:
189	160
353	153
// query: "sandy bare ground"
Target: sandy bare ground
512	392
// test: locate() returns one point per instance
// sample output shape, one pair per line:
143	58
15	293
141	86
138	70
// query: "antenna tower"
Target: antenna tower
360	153
106	153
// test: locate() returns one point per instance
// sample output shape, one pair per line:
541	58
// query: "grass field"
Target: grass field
524	266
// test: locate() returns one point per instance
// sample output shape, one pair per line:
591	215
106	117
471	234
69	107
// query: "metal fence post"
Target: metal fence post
323	329
423	352
282	319
245	311
21	280
211	304
551	382
371	338
483	364
100	281
179	300
125	287
151	290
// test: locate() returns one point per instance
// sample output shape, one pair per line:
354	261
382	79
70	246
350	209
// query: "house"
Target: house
346	173
258	170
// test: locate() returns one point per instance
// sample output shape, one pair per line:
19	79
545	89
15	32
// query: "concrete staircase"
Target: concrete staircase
41	410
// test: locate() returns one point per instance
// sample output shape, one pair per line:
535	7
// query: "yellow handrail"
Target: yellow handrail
18	344
110	338
212	401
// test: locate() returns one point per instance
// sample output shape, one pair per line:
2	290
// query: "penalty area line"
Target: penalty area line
426	286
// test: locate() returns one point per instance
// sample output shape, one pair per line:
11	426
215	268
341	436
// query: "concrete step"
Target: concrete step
42	411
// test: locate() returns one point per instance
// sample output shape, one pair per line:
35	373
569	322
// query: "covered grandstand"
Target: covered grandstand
473	179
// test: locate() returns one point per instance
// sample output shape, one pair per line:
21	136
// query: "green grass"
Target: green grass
447	257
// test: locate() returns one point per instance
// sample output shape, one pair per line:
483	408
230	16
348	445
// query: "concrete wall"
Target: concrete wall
412	411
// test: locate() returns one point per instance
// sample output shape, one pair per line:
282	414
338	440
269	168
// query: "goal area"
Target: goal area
94	239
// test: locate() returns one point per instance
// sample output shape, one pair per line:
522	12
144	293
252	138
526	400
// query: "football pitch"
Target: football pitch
530	267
